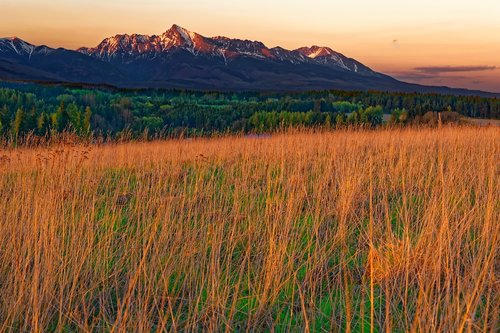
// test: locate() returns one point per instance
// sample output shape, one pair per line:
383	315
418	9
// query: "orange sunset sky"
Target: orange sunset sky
437	42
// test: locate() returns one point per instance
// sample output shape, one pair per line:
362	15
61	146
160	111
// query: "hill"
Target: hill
179	58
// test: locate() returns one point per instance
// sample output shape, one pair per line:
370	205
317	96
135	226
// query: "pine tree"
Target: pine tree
86	120
328	121
60	119
340	119
43	123
4	118
17	125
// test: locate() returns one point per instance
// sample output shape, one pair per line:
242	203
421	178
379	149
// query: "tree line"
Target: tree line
44	111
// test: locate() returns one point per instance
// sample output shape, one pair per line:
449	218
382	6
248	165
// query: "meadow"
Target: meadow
317	231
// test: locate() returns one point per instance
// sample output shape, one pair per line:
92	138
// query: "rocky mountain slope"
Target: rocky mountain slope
179	58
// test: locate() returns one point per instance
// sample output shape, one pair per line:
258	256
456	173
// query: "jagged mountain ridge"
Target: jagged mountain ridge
179	58
22	61
127	48
14	46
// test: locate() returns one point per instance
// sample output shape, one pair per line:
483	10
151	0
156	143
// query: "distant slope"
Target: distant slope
183	59
20	60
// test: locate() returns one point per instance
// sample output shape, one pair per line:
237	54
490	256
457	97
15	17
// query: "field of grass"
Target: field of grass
387	230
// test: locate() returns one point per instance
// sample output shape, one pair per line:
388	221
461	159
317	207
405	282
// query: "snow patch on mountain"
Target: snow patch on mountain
22	48
127	49
185	34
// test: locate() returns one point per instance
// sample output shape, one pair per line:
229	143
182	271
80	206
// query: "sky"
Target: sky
436	42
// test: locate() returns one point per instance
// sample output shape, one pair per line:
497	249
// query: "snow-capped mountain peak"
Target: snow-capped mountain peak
187	35
175	36
16	45
179	58
128	48
316	51
178	37
329	57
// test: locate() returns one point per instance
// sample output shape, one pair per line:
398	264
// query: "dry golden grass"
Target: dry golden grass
389	230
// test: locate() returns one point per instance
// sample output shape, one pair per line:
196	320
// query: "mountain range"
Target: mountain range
183	59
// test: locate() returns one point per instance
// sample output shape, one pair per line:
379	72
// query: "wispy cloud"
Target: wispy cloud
411	76
473	77
424	76
453	69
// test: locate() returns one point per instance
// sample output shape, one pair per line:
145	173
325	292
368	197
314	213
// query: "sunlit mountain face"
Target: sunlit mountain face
179	58
129	48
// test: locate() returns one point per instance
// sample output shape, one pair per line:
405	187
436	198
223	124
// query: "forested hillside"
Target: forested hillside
45	110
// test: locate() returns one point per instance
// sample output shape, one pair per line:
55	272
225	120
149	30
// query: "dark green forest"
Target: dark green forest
29	109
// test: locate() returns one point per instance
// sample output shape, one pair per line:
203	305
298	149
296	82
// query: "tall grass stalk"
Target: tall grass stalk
352	230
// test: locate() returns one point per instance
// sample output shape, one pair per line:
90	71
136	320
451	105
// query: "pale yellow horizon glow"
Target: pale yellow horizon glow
391	36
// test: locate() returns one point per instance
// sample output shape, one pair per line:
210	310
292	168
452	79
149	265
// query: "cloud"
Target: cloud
423	76
471	80
453	69
411	76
